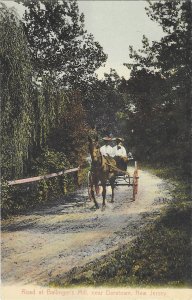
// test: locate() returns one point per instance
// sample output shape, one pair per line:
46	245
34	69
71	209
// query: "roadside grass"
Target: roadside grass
160	256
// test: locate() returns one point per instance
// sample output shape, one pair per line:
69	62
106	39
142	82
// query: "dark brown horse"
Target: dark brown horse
101	171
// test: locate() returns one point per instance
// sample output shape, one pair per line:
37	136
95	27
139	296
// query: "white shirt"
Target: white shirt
106	150
119	152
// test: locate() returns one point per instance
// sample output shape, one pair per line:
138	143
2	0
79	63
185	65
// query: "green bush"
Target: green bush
24	196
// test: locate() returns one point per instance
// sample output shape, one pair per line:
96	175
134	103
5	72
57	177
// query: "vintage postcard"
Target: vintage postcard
96	149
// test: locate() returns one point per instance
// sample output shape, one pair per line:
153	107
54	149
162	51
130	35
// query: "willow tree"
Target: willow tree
29	108
17	106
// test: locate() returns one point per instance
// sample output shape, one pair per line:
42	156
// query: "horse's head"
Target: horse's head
94	149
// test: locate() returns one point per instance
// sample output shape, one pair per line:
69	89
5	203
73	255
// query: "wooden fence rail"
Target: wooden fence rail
47	176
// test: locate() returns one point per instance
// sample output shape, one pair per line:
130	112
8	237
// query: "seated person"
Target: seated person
106	149
120	155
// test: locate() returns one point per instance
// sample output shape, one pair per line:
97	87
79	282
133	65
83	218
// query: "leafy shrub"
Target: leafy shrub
21	197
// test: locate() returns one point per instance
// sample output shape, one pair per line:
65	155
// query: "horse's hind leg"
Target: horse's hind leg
112	195
104	194
112	183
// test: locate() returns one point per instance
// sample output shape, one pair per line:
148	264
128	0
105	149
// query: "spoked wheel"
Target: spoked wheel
127	179
135	182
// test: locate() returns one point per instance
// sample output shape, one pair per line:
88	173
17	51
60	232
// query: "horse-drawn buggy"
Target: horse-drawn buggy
104	172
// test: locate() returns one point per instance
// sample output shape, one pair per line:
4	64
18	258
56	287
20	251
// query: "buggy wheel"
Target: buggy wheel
127	179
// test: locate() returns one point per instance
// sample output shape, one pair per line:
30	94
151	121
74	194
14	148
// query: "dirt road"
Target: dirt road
38	247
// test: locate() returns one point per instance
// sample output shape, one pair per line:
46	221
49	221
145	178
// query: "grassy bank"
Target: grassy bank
160	256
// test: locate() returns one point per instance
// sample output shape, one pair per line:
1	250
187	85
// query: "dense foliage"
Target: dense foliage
159	89
102	102
59	43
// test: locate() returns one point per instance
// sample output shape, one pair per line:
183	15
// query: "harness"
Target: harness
111	166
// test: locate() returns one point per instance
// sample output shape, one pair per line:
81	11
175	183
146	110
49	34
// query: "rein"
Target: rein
117	169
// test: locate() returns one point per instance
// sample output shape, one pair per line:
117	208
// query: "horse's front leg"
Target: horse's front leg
104	194
93	196
112	183
94	183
